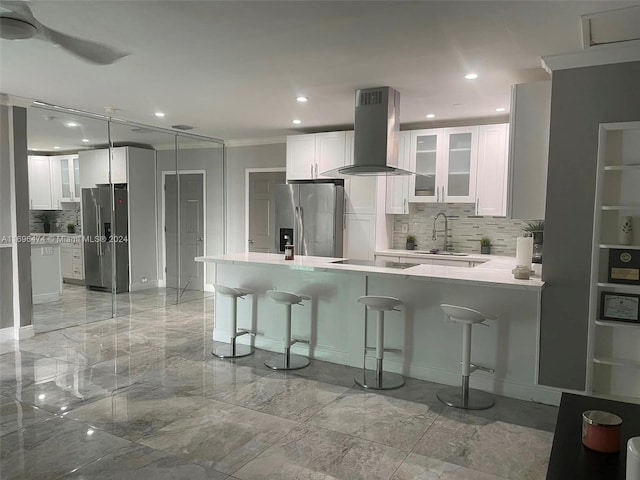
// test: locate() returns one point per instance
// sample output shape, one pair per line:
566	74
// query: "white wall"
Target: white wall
210	160
238	160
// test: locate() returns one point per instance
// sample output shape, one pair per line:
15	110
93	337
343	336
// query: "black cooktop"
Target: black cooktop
376	263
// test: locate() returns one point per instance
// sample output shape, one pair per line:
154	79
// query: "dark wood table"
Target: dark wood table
572	460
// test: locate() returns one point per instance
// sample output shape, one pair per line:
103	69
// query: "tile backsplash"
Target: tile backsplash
69	214
465	229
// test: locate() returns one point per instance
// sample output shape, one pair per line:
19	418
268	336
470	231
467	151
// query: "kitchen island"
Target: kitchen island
334	322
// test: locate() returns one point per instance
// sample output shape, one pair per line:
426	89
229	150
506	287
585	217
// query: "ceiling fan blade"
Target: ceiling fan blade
88	50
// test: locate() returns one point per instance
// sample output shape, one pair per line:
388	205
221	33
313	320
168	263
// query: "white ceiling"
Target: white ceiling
233	69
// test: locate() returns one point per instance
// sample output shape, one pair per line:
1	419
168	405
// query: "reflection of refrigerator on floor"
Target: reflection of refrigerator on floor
102	240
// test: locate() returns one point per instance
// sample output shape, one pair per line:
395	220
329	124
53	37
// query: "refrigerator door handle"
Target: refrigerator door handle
302	249
97	238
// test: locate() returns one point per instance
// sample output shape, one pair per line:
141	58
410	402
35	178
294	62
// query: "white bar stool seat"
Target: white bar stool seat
465	397
287	361
233	350
378	380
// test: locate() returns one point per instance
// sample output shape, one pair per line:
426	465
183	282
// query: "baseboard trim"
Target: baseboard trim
136	287
45	298
26	332
7	334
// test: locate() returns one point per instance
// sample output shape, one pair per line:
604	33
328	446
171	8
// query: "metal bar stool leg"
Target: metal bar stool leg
286	360
233	350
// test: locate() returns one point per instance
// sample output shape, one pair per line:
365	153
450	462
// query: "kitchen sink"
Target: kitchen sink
451	254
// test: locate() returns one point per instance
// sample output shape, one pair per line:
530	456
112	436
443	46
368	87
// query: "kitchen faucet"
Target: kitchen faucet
446	229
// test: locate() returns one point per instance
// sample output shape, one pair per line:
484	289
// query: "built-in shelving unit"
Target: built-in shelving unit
613	368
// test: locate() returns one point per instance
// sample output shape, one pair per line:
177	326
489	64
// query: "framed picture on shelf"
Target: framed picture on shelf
620	307
624	266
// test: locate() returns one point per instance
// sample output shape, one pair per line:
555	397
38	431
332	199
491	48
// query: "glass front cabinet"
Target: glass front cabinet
68	177
445	162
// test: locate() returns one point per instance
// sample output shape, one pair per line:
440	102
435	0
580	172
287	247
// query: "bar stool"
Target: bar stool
465	397
379	380
234	350
287	361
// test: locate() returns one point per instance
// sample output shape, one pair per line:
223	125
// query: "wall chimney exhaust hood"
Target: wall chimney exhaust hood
376	132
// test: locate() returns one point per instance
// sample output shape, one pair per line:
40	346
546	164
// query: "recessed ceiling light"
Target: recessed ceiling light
42	396
297	122
159	114
85	140
111	109
500	109
430	115
302	99
72	124
56	148
90	431
471	76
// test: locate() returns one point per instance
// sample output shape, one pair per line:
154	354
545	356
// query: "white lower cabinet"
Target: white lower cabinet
71	261
359	236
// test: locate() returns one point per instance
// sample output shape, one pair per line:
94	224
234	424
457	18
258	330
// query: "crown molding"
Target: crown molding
623	52
246	142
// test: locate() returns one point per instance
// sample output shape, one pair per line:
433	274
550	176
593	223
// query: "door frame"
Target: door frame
247	175
163	282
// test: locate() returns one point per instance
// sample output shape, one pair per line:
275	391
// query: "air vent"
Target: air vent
182	127
370	97
143	130
613	26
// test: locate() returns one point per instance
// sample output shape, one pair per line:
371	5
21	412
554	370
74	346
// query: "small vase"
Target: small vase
625	232
46	227
410	246
485	249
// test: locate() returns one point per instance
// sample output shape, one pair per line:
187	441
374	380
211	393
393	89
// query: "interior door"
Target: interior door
262	227
191	230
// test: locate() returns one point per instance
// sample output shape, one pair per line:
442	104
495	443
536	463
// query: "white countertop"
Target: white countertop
470	257
496	271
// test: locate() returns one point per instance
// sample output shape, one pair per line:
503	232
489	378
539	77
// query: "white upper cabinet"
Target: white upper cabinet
459	165
310	155
301	157
491	185
40	197
425	158
445	162
65	178
94	167
398	185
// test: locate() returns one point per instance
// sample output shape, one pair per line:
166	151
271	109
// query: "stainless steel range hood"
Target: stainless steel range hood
377	127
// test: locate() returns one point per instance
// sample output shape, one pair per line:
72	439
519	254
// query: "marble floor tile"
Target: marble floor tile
391	421
199	378
490	446
49	449
284	395
219	436
315	453
15	415
138	411
71	389
418	467
140	463
21	369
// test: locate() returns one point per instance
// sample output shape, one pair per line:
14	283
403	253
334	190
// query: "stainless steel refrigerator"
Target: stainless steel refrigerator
103	240
310	217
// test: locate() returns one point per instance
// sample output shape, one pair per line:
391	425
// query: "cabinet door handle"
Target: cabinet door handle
437	194
311	170
477	206
404	209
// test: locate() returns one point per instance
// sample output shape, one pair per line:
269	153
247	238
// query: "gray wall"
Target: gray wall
210	160
13	131
581	99
142	225
238	160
